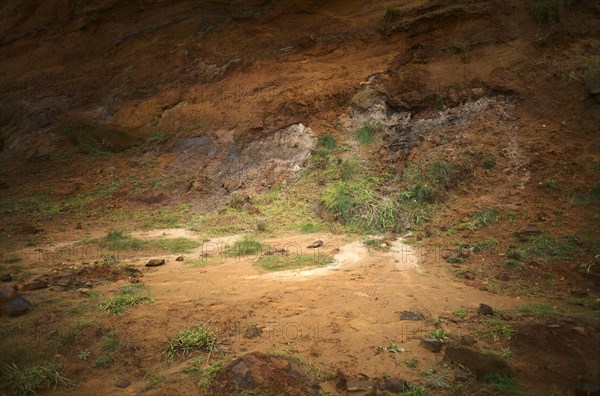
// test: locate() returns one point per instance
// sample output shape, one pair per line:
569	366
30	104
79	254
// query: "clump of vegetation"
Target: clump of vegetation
591	78
310	227
79	137
488	163
328	141
156	138
246	246
282	263
174	245
366	133
536	310
391	14
550	185
103	362
458	46
427	184
547	248
126	298
437	379
438	334
30	380
377	244
189	340
118	241
411	363
546	11
500	384
415	390
208	374
515	254
461	313
497	329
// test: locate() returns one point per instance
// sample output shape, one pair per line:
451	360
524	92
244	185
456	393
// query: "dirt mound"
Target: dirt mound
265	373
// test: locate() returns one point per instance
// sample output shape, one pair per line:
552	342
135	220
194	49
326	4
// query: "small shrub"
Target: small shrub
127	297
328	141
461	313
546	11
500	384
365	134
189	340
117	241
411	363
515	254
83	355
208	374
550	185
497	329
309	227
488	163
438	334
246	246
485	217
103	362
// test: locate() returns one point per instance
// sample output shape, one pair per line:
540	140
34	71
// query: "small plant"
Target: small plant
111	341
548	248
117	241
127	297
461	313
103	362
488	163
208	374
392	347
439	334
497	329
514	264
458	46
328	141
309	227
189	340
246	246
550	185
537	310
174	245
411	363
83	355
437	380
348	169
194	368
515	254
591	78
415	390
500	384
365	134
546	11
485	217
282	263
30	380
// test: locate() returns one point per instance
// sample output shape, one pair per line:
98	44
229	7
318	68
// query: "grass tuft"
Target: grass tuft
30	380
282	263
246	246
189	340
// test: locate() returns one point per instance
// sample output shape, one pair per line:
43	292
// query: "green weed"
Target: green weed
461	313
246	246
128	297
411	363
547	248
30	380
282	263
103	362
365	134
328	141
189	340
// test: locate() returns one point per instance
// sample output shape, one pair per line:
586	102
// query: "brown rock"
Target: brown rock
35	284
15	307
180	258
480	363
155	262
7	293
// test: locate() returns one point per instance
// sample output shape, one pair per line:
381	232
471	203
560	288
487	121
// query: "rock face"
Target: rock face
258	372
480	363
